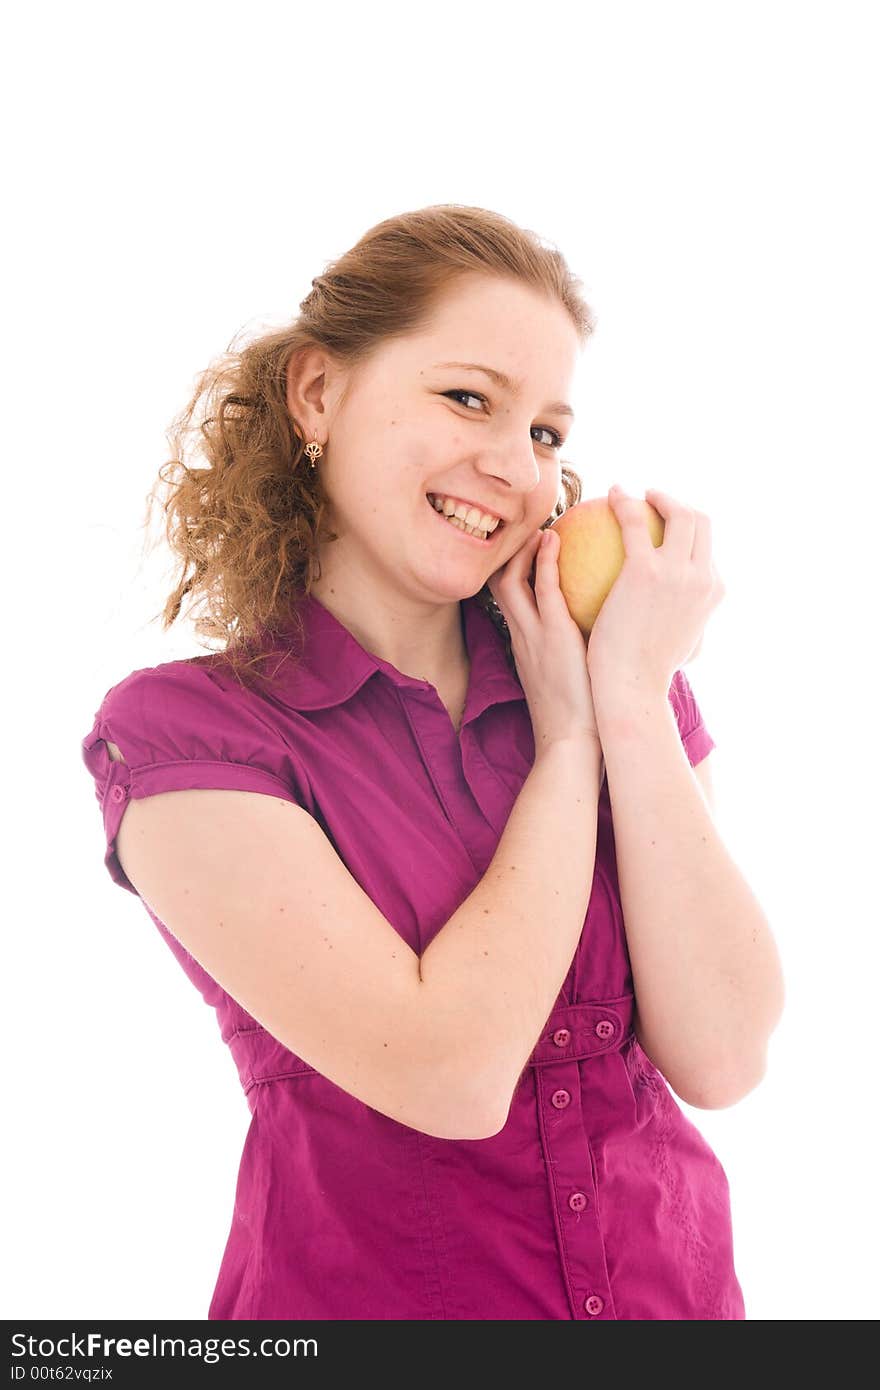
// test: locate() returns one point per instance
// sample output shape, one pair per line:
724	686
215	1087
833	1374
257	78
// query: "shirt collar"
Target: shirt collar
333	665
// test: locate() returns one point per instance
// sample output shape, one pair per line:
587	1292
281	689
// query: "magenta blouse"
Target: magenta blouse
598	1198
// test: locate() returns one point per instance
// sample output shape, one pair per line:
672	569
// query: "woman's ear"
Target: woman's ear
305	371
314	382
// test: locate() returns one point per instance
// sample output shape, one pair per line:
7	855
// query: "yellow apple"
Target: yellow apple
591	554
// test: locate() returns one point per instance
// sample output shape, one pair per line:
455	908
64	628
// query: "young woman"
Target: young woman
376	827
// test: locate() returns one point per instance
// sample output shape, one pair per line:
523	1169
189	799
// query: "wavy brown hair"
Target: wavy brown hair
245	526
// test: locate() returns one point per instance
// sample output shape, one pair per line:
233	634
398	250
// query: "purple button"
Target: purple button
594	1304
560	1099
561	1037
117	793
577	1201
604	1029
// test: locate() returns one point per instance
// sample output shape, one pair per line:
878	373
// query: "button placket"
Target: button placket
577	1038
570	1173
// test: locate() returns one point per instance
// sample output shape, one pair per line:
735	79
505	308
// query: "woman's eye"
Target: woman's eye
472	394
556	441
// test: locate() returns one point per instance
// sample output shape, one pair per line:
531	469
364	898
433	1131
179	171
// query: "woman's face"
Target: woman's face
403	426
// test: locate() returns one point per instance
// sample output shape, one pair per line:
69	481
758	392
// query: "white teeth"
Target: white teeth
471	530
472	517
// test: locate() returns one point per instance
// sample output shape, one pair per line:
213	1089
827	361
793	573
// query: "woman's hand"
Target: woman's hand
547	644
652	621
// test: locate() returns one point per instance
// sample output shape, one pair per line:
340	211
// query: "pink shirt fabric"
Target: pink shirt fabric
598	1198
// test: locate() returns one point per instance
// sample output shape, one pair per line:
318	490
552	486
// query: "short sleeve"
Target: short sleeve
694	735
177	728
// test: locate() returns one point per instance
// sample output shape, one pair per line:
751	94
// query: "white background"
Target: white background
176	177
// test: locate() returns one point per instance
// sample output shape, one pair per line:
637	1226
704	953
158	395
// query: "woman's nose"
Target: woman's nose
514	463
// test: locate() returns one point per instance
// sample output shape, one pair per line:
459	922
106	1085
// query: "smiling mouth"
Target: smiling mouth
483	537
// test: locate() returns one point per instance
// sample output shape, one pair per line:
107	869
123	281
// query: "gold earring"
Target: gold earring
314	450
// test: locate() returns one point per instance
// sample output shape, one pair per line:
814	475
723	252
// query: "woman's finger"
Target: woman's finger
679	526
702	552
551	600
507	584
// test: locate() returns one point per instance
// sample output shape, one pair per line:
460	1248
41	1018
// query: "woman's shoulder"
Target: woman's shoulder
190	708
203	676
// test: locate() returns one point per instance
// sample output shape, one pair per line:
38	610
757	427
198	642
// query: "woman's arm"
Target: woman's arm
706	972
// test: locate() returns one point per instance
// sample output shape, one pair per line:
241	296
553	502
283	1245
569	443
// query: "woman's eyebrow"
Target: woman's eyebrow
502	379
